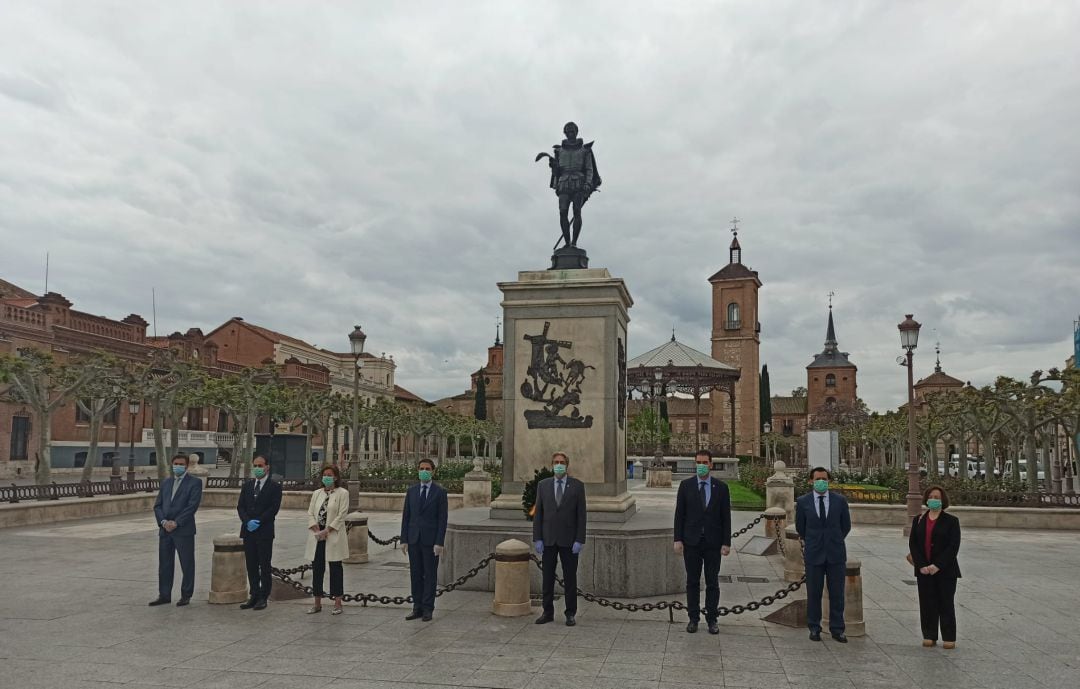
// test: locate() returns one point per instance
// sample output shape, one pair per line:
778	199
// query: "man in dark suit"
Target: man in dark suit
423	534
559	535
702	536
823	521
260	500
174	511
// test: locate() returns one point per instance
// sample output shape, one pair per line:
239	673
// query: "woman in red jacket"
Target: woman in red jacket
933	545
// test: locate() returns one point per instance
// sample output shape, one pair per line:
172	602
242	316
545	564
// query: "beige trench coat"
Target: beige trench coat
337	542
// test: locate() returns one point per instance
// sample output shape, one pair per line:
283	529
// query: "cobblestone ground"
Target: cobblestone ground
73	614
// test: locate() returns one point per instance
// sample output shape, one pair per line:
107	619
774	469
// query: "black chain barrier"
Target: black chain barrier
285	575
393	540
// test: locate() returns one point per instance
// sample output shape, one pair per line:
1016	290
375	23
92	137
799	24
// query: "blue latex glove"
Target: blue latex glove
539	545
253	525
576	548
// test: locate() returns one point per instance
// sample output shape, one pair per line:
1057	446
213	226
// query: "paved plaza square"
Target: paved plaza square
73	614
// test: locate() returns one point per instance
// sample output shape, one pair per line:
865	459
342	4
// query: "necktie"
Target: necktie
257	489
704	495
558	492
176	485
821	507
423	494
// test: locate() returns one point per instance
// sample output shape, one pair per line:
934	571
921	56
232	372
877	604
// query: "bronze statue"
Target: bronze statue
574	178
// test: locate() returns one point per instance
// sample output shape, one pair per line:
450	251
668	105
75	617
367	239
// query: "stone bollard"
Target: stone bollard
228	573
775	521
853	601
511	579
356	523
477	487
780	492
794	567
658	477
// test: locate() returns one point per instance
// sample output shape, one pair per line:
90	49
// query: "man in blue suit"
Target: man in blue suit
823	521
258	505
174	511
423	533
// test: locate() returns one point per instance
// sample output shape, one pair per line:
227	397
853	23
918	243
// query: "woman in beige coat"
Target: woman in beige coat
328	541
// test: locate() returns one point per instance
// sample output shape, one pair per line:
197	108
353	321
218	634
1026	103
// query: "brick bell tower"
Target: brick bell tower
736	340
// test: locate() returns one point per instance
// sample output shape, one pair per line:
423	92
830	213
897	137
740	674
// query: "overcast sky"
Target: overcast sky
314	165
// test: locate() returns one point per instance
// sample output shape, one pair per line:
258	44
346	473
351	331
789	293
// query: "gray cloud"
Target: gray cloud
314	166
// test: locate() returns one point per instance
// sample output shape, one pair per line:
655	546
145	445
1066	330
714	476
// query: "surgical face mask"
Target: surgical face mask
328	481
934	504
821	486
559	469
259	472
179	469
702	470
424	474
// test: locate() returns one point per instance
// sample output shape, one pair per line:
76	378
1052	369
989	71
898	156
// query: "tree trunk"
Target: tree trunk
1032	462
239	433
42	472
988	457
95	428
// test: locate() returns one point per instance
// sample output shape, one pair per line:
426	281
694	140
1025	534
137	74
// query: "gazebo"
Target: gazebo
674	367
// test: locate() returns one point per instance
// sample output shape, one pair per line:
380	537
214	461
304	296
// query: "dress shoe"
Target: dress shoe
571	621
949	645
714	628
927	643
691	627
160	601
248	604
414	615
545	618
260	605
815	636
839	637
182	602
426	617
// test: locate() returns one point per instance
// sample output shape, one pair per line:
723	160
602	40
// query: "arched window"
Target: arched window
732	316
830	381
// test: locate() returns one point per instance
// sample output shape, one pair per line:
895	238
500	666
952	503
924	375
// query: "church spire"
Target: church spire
830	333
498	323
937	350
735	251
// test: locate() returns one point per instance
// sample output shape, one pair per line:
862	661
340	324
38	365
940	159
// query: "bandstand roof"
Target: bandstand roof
675	353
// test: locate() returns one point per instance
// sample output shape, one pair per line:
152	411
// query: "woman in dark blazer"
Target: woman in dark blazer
933	545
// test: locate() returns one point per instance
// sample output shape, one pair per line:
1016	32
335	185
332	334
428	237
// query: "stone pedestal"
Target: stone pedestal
564	386
853	601
794	567
631	559
228	572
658	478
511	579
780	492
477	487
356	523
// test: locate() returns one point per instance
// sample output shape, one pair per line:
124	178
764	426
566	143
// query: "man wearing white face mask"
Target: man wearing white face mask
823	522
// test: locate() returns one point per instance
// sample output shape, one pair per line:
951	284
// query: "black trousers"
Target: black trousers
423	572
258	552
816	576
169	546
318	569
937	594
553	554
696	558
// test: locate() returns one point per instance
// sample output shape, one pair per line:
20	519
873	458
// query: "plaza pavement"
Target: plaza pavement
73	614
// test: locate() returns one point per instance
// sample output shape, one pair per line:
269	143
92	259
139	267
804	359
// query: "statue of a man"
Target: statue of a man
574	178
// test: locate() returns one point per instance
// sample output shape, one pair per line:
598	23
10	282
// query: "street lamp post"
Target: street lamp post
768	429
356	343
133	409
909	340
655	387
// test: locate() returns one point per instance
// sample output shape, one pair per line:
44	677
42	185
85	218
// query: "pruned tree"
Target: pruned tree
36	379
108	382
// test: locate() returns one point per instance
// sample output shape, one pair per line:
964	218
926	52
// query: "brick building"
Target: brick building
492	372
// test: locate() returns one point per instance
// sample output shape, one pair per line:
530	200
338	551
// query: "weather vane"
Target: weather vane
735	226
831	295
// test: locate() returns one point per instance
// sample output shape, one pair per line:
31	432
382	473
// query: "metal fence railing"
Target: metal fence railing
88	489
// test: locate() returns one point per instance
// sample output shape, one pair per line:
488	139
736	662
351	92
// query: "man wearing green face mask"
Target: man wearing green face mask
258	505
702	537
423	534
823	522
